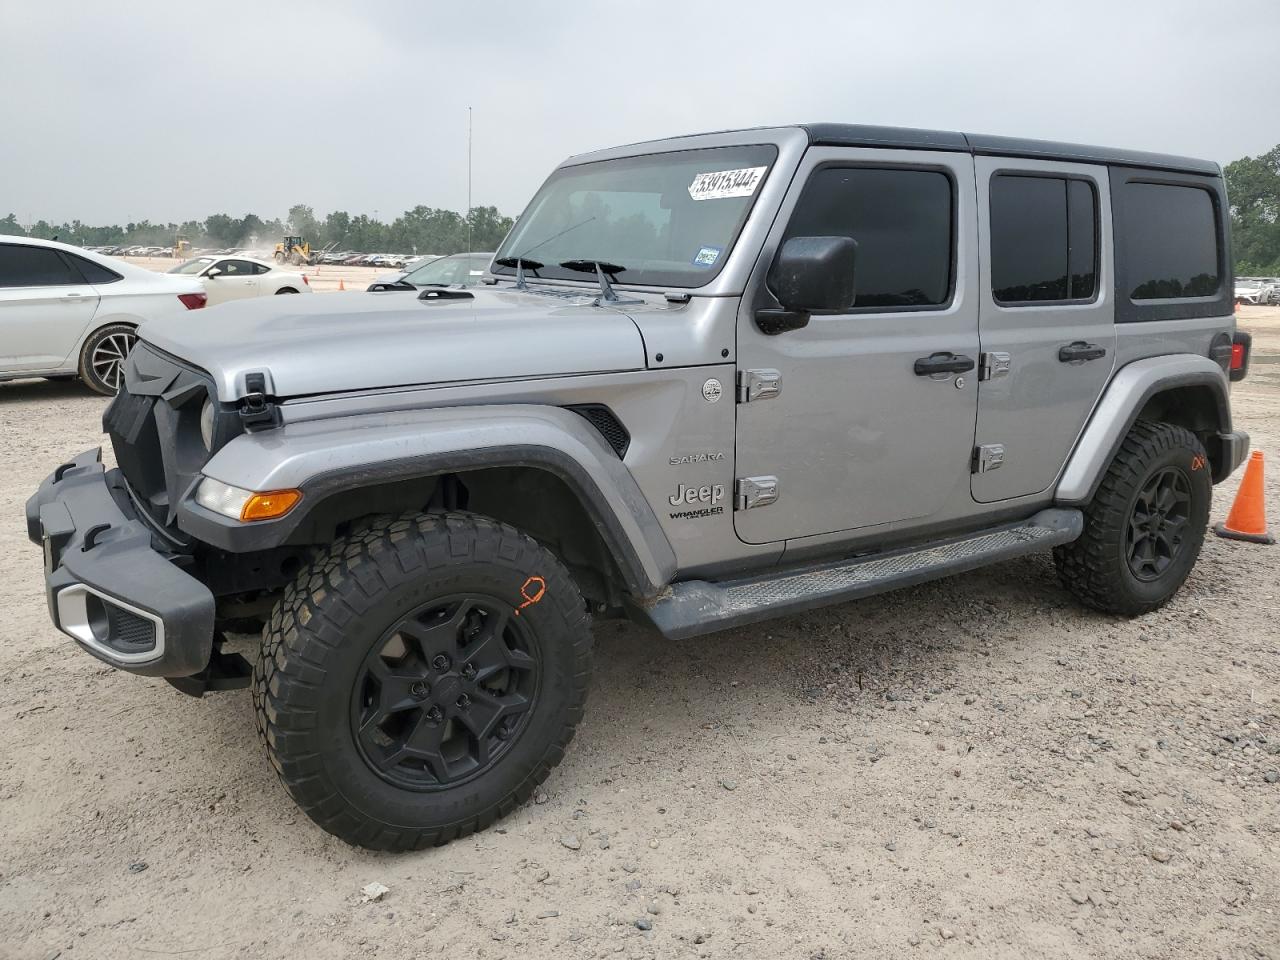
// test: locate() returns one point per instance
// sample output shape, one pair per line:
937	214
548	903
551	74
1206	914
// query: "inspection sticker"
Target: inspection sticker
726	183
707	257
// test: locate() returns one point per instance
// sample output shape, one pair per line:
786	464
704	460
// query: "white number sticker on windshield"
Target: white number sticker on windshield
726	183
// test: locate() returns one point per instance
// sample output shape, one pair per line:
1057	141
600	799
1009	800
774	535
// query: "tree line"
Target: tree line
420	230
1253	188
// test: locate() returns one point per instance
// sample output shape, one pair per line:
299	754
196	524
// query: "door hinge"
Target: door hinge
994	364
758	385
752	492
988	457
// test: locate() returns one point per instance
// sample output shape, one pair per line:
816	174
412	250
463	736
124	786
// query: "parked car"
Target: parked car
1253	290
235	278
459	269
771	370
66	312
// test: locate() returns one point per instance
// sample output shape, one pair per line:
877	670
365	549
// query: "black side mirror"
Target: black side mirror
809	275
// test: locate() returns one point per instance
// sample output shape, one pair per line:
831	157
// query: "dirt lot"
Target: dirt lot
975	768
324	279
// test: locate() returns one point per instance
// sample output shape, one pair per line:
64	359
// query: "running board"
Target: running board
694	607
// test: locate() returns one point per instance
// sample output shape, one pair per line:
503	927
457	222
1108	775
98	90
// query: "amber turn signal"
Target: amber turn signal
270	505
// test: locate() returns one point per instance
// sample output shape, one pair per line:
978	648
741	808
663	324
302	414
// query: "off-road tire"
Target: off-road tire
335	613
1095	567
91	369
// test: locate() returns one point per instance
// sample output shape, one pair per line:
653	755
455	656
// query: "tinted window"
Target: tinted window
901	220
1170	241
1043	239
92	272
236	268
22	266
260	268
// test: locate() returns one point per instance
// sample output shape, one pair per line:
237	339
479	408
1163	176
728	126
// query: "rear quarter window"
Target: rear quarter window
1171	246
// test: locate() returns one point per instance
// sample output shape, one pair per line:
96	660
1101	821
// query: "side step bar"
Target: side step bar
694	607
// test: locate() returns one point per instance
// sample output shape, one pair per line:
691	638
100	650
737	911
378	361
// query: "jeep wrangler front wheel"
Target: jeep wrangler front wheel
420	679
1145	526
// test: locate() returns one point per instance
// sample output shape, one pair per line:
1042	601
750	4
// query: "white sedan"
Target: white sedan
66	312
234	278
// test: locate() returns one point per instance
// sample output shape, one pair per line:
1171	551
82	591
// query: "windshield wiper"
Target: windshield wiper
603	270
519	263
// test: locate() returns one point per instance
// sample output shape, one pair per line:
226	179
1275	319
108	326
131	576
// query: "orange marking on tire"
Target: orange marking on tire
1197	462
539	589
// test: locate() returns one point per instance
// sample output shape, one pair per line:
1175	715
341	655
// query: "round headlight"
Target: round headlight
206	424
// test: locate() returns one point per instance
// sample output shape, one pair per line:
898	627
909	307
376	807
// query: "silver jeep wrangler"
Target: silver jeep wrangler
707	381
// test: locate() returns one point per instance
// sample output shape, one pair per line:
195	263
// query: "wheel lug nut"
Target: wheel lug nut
463	702
441	662
435	714
419	690
469	670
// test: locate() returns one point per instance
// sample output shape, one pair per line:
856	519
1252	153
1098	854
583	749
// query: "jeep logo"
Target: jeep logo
713	493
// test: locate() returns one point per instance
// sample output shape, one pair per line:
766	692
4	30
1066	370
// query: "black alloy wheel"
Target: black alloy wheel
446	691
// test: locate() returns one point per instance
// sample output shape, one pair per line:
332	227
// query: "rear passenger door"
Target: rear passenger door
45	305
1046	318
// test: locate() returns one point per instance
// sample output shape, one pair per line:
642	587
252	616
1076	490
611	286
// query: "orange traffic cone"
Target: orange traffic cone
1248	517
341	285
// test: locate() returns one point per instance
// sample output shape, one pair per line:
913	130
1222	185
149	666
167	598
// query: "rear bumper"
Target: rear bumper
108	587
1229	451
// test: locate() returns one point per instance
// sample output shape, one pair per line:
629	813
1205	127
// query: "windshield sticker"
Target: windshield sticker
707	257
726	183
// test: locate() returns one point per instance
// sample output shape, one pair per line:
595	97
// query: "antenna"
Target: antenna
468	180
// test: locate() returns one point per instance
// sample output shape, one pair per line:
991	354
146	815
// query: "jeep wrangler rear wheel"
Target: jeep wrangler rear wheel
420	679
1145	525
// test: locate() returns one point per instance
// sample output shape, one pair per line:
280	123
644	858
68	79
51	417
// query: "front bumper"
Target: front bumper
111	585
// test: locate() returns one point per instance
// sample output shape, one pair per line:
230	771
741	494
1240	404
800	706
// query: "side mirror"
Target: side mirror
809	275
213	272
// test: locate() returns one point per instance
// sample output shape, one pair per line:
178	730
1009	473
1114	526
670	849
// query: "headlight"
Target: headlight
206	423
246	505
221	497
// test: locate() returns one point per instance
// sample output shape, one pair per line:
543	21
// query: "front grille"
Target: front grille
607	424
154	426
128	632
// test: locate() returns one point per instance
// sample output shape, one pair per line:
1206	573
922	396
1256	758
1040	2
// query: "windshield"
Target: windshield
667	219
465	270
193	266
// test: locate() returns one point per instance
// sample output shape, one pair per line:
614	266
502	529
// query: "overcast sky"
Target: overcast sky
175	110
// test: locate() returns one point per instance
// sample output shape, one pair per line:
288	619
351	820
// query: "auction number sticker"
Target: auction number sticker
722	184
707	256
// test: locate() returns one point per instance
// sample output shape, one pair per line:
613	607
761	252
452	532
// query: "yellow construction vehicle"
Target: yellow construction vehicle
181	248
295	250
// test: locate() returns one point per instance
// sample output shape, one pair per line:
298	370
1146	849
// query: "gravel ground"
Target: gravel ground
973	768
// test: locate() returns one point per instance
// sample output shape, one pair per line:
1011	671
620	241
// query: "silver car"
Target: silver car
707	381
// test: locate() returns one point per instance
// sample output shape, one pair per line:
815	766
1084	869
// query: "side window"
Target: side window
1044	239
236	268
94	273
902	221
261	268
1170	241
23	266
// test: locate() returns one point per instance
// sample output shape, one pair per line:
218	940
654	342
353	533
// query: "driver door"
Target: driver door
238	279
857	436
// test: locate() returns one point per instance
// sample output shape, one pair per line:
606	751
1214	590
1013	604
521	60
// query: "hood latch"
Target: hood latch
257	410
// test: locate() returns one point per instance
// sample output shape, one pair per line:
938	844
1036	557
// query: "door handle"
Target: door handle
1079	352
943	362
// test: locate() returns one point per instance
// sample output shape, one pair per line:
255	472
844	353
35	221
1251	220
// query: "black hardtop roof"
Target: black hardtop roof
907	138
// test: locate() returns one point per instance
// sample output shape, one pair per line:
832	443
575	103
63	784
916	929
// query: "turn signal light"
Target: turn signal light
269	506
1241	347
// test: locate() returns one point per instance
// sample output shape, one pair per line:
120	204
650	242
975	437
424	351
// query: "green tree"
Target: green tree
1253	189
